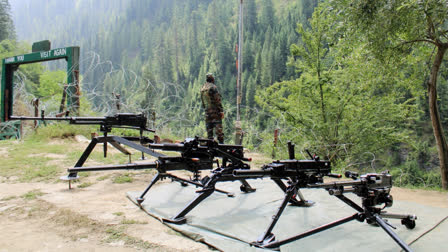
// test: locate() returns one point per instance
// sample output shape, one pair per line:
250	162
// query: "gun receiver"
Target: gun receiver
310	170
372	186
373	189
204	148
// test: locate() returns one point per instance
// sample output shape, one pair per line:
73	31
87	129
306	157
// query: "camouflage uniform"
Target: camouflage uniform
211	102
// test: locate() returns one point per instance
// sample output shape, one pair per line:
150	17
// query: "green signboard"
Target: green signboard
44	45
9	65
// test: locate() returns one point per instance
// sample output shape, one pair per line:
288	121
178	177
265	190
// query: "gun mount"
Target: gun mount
195	155
374	190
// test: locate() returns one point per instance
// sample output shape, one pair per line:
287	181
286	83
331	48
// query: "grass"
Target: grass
103	178
118	234
40	159
61	130
118	213
32	195
121	179
8	198
85	184
130	222
28	160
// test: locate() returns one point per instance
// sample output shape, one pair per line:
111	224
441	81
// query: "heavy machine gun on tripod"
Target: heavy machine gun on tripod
298	173
374	191
195	155
107	123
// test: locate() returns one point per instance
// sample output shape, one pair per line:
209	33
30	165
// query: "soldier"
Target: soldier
211	102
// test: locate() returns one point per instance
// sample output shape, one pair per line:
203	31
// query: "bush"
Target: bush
61	130
411	175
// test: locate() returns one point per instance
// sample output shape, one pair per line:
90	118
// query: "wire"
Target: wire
429	230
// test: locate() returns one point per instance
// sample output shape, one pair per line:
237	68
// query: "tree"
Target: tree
51	83
6	24
267	15
338	105
396	28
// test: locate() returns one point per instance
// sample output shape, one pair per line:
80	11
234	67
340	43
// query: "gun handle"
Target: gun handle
291	150
334	175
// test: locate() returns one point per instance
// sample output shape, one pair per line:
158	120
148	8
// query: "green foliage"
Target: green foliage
60	130
336	105
28	73
51	83
411	175
6	23
396	30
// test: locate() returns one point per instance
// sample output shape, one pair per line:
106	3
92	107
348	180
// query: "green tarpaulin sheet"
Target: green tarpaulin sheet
231	224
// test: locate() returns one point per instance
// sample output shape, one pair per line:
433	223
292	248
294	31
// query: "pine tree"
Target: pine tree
6	24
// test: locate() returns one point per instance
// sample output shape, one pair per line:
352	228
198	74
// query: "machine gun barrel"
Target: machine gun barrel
370	180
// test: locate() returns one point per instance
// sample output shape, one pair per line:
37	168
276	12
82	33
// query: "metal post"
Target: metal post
238	129
36	111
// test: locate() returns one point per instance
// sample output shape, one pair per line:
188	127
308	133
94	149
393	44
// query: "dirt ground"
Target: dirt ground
96	218
49	217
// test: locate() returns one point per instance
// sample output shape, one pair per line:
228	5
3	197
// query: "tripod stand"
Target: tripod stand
374	189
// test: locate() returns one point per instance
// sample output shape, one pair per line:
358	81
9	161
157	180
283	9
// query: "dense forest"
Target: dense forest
362	82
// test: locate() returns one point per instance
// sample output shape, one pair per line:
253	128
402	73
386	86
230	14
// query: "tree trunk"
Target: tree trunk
435	115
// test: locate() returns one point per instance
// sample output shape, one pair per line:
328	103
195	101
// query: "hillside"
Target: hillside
326	75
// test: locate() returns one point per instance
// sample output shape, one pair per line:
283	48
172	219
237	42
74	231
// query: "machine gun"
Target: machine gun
107	123
374	190
195	155
123	120
298	173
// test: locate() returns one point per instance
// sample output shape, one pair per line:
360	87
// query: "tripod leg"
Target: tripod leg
277	244
86	152
245	187
180	217
74	175
303	201
391	233
293	200
268	236
209	188
182	180
153	181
